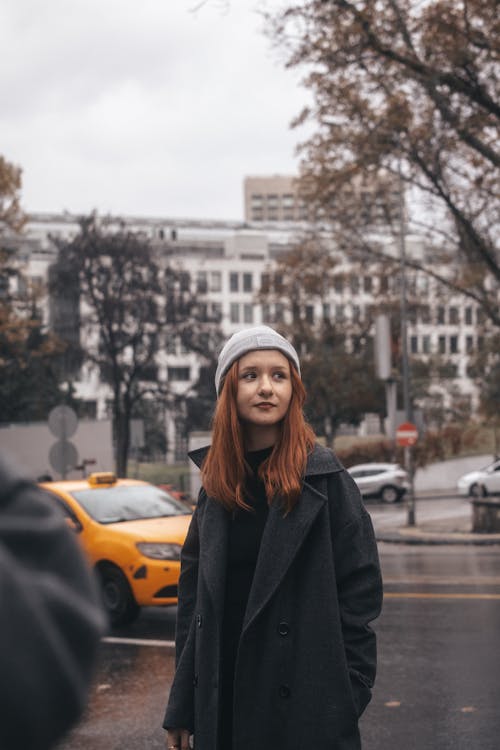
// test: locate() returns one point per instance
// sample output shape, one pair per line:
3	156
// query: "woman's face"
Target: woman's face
264	388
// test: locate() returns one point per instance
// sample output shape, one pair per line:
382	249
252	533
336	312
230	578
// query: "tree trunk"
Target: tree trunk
121	429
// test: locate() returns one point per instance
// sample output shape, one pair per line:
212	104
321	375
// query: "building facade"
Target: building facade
227	264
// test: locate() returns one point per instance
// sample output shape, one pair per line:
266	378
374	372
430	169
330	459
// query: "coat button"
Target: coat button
283	628
195	681
199	620
284	691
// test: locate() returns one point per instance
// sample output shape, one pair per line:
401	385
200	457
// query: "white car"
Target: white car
389	482
480	483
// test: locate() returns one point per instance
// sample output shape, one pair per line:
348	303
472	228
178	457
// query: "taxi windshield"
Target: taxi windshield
125	503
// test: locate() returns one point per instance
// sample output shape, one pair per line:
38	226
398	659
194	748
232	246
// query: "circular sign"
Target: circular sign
63	421
63	456
406	434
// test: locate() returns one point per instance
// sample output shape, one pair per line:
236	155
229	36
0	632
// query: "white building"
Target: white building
226	262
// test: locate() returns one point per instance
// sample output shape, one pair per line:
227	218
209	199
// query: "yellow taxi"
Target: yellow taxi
132	533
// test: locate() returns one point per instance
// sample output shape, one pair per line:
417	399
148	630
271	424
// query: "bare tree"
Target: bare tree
407	92
131	304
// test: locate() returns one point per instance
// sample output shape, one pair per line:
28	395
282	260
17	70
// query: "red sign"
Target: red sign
406	434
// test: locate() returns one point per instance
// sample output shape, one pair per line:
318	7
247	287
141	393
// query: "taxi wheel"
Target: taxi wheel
117	596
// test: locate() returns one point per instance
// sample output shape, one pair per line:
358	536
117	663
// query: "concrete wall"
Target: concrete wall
29	445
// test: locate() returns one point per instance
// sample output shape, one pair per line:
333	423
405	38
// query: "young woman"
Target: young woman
280	575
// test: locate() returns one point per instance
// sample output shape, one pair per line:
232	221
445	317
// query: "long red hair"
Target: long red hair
224	471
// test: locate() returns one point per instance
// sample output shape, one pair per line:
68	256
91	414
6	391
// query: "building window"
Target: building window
288	200
440	315
354	284
453	344
265	283
468	316
453	315
185	281
338	284
469	343
426	345
234	280
278	282
442	344
326	311
248	313
256	200
479	316
247	282
367	283
217	311
279	312
356	313
309	313
178	373
215	281
202	308
234	312
414	344
266	314
150	374
201	282
272	201
171	345
384	283
425	314
339	313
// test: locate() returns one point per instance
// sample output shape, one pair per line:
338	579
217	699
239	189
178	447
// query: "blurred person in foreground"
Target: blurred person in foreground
51	618
280	575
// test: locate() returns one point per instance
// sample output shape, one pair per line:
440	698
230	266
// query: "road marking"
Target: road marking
138	642
424	595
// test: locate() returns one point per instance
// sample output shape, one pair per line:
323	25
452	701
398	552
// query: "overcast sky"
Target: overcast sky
143	107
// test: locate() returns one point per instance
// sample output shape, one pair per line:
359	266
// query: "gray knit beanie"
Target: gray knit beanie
248	340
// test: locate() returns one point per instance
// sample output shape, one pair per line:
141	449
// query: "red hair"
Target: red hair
224	471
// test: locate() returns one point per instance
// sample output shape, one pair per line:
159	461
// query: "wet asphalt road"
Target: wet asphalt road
438	683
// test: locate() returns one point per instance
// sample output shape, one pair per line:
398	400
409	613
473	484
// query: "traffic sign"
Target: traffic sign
406	434
63	457
63	421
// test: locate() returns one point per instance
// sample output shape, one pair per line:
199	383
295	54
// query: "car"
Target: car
132	534
480	483
389	482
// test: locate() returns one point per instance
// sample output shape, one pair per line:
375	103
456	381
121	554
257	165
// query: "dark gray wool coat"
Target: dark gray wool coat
307	656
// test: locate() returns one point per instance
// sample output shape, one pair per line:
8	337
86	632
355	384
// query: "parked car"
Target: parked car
132	533
480	483
389	482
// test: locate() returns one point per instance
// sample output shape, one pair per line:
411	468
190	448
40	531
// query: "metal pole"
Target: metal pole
404	351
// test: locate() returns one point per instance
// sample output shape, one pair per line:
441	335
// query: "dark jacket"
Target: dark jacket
307	656
50	618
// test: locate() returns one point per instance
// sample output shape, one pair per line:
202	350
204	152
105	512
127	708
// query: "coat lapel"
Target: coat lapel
213	546
281	541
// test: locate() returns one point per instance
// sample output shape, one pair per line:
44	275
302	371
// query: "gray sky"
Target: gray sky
143	107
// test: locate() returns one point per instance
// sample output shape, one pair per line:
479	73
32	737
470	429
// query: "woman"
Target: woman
280	574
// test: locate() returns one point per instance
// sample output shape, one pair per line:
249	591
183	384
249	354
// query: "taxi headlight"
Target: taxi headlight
160	550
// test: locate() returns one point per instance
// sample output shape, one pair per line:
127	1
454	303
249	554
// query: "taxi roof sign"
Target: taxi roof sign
98	478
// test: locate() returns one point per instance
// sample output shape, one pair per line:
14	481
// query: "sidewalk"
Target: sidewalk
440	519
441	516
434	534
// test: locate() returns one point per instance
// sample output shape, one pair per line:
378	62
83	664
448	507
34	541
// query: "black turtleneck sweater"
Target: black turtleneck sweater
245	534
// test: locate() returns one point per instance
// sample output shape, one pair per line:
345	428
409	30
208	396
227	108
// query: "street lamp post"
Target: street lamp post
407	402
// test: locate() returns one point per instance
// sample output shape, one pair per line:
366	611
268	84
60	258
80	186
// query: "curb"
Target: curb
434	538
